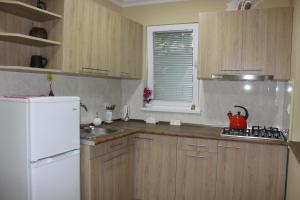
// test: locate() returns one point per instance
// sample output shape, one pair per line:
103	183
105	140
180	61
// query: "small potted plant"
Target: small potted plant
50	81
147	95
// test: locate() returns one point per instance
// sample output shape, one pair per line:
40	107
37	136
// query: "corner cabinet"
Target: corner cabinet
256	42
100	41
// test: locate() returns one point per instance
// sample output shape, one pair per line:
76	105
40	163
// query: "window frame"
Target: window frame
173	105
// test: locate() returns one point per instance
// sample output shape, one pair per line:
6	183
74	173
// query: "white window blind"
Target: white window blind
173	65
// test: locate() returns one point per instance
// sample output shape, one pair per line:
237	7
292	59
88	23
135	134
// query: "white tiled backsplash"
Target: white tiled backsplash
94	92
267	102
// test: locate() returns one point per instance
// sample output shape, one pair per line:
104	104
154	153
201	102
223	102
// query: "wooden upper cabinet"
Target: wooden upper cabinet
280	42
231	40
100	41
267	42
71	36
254	51
113	42
251	171
131	49
254	42
125	43
210	53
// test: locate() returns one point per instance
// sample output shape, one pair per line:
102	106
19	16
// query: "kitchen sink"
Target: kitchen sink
98	132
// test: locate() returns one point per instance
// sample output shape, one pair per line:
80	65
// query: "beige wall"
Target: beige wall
293	184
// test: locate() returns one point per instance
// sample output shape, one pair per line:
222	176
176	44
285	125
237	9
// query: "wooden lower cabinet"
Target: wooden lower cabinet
154	167
106	171
248	171
113	180
196	170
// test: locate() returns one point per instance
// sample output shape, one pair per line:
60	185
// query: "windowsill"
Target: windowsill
170	110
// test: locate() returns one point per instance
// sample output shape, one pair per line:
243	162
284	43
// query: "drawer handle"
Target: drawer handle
98	71
196	145
115	145
143	138
193	156
125	75
229	147
117	156
103	70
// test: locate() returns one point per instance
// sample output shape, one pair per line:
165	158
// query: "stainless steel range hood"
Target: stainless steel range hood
242	77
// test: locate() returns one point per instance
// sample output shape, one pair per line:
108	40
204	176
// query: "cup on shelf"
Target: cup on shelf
38	61
42	5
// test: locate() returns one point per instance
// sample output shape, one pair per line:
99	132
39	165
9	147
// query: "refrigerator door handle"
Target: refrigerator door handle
52	159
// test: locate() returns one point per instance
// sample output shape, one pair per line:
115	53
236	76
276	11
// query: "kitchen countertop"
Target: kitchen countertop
186	130
295	146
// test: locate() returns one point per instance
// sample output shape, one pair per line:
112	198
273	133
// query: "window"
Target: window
172	73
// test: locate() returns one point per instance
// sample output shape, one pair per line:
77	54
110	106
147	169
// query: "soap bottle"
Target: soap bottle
97	121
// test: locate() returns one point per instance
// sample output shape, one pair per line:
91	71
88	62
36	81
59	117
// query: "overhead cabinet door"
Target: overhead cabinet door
100	41
231	40
254	42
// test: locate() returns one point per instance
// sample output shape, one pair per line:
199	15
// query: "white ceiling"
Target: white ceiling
129	3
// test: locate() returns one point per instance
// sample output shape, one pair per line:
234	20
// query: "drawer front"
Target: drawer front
114	155
196	154
107	147
142	136
117	144
98	150
195	144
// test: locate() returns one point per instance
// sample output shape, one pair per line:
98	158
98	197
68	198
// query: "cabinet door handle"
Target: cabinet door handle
88	68
194	156
229	147
197	145
143	138
216	76
125	75
98	71
114	157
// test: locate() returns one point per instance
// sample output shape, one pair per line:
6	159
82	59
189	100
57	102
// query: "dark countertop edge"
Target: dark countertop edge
163	123
295	147
128	132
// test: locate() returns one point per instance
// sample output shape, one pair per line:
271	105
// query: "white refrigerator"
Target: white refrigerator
39	148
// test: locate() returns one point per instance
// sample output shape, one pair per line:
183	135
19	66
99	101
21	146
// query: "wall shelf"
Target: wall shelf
28	11
27	40
29	69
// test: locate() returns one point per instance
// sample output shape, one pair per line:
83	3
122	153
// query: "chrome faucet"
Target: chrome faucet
84	107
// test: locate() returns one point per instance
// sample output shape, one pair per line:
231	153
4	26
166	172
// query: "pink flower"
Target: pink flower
147	94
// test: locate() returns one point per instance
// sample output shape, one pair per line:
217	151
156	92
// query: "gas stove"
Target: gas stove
257	132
